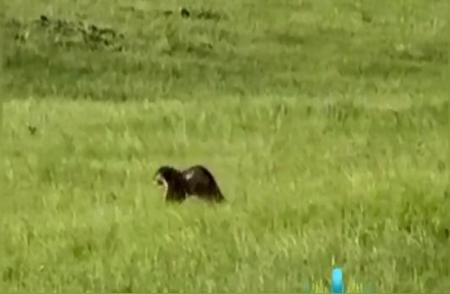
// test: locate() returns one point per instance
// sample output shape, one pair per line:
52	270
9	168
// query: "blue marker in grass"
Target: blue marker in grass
337	281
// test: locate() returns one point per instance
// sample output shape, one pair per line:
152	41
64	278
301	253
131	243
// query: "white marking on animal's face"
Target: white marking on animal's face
159	180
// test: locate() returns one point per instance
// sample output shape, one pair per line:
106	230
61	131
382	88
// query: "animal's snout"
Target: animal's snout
158	181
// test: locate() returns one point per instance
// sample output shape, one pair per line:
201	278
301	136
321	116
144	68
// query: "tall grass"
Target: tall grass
309	185
325	123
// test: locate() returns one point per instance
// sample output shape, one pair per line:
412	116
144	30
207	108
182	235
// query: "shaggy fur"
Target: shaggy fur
196	180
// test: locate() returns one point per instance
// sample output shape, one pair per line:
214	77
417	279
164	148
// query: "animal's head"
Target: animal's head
172	181
163	175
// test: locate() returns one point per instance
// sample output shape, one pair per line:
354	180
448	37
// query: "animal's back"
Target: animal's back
202	182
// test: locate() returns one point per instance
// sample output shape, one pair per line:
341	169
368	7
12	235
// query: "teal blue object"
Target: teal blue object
337	281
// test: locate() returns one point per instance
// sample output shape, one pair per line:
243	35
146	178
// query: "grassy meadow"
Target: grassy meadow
324	122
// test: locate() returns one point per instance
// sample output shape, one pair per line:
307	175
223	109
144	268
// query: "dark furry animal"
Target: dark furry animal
184	12
196	180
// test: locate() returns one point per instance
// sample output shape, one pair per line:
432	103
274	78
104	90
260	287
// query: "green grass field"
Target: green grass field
325	123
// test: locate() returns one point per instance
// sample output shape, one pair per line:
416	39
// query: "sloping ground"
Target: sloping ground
119	50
